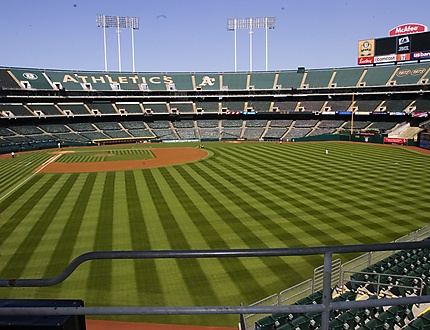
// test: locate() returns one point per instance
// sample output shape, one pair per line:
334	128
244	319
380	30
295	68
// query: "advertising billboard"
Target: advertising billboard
408	28
406	42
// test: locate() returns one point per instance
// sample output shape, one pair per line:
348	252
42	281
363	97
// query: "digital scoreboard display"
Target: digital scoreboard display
398	48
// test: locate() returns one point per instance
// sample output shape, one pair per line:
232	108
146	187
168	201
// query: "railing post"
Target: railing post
326	290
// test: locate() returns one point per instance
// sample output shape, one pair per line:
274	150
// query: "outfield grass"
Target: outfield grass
245	195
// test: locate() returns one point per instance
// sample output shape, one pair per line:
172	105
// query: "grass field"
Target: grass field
244	195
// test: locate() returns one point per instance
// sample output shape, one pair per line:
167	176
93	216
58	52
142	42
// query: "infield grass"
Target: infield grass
244	195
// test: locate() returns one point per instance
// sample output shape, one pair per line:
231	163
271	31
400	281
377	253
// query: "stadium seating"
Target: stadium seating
103	108
159	108
253	134
31	79
207	107
15	110
182	81
285	105
318	78
6	80
207	81
262	80
44	109
234	81
347	77
181	107
410	73
129	108
377	76
74	109
65	80
290	79
315	106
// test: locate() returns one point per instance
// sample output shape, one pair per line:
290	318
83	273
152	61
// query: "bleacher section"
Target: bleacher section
259	106
262	80
159	108
285	105
422	104
367	105
395	105
234	81
314	106
182	81
347	77
289	104
377	76
44	109
73	109
400	274
411	74
130	107
31	79
6	80
181	107
207	107
14	110
318	78
337	105
207	81
102	108
290	79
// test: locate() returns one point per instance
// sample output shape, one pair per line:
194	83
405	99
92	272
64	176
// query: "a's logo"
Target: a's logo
365	49
30	76
206	80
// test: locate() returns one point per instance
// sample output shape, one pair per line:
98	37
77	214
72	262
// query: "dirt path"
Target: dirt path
163	157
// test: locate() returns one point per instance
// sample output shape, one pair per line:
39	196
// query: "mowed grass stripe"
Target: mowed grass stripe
28	244
14	171
256	188
335	207
63	252
100	274
183	186
38	246
190	269
251	238
235	269
145	271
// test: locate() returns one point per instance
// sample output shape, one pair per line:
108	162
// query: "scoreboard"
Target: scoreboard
404	47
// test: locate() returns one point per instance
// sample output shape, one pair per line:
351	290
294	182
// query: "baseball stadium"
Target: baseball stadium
284	199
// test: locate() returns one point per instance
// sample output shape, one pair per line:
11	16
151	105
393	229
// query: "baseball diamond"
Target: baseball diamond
242	195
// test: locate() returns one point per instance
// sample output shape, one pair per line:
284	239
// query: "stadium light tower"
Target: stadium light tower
118	22
250	24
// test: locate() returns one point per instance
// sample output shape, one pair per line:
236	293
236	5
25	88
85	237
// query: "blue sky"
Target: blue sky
191	35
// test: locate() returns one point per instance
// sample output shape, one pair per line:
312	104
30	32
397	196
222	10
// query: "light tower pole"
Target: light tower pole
118	22
251	24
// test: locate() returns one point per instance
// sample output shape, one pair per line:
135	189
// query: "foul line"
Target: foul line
40	168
